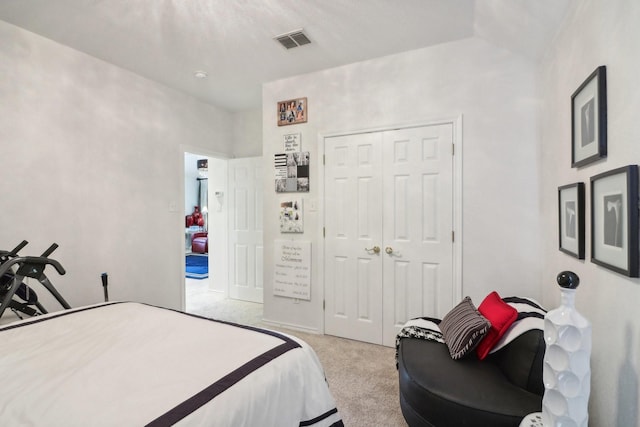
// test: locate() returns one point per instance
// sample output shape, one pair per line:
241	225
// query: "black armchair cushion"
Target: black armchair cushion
521	361
438	391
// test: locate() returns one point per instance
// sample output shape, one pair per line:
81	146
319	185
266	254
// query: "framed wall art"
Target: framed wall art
589	119
571	219
292	111
292	172
291	216
614	220
291	143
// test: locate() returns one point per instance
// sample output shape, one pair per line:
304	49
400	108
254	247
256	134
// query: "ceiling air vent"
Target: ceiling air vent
293	39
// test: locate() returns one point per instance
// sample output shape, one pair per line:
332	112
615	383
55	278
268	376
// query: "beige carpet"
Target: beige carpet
362	377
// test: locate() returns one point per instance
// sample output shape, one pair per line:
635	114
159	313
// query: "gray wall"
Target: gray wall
247	133
596	33
92	159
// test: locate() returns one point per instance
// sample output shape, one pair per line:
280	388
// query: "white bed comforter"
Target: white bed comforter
130	364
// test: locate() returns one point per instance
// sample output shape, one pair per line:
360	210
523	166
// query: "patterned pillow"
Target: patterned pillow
463	328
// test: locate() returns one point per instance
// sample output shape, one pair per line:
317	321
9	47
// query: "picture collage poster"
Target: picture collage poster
292	172
291	219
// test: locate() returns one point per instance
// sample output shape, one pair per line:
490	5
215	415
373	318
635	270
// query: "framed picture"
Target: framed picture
292	111
614	220
571	219
291	216
292	172
291	143
589	119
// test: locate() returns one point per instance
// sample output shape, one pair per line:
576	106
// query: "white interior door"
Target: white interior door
418	225
353	227
391	190
245	229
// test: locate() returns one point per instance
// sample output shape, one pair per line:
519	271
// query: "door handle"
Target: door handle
375	249
388	250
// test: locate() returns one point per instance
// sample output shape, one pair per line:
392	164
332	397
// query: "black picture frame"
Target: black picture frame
571	219
589	119
614	220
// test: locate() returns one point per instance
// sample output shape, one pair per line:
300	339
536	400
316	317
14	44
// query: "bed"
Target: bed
132	364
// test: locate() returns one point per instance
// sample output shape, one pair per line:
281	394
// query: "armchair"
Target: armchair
200	242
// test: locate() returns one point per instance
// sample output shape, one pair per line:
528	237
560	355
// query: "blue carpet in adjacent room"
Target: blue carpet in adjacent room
197	266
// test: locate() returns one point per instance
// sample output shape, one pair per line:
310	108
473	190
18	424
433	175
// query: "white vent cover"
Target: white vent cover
293	39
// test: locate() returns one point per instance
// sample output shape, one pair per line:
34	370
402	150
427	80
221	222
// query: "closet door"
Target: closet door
418	224
388	230
353	229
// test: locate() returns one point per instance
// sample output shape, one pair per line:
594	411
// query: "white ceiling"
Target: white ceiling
232	40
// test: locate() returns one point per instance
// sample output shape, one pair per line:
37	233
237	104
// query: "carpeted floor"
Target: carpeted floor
362	377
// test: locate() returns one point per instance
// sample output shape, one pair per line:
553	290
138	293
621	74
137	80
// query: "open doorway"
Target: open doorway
206	218
215	204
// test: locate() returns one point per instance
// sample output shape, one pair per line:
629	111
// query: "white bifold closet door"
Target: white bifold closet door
388	230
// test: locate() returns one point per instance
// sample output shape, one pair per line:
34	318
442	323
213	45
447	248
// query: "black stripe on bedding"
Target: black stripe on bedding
320	418
56	315
524	312
517	300
200	399
39	319
237	325
524	315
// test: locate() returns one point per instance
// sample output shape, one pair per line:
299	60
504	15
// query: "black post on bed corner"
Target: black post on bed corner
105	280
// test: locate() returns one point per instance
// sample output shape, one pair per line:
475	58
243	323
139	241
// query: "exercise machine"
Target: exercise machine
14	269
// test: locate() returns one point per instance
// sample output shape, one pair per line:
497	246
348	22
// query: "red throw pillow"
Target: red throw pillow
501	315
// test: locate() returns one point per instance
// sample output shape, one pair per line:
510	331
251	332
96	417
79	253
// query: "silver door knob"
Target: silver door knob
388	250
375	249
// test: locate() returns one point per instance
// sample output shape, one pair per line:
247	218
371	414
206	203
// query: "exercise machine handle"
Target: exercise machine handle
49	251
36	260
5	255
17	249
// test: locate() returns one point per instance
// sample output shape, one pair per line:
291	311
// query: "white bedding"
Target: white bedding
130	364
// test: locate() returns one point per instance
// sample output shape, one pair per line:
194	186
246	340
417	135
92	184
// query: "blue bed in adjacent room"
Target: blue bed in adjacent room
197	266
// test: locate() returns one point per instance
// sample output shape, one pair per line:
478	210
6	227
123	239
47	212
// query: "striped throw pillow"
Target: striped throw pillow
463	328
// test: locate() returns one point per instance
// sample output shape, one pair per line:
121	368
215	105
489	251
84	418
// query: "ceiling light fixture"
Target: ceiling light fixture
293	39
200	74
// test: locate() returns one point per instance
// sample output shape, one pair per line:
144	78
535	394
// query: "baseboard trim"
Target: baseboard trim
291	326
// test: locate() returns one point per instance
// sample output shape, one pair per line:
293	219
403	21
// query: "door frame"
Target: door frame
204	152
456	123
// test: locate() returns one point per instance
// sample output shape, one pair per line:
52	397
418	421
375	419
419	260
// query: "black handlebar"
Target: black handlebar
49	250
14	252
17	249
5	255
32	261
44	261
